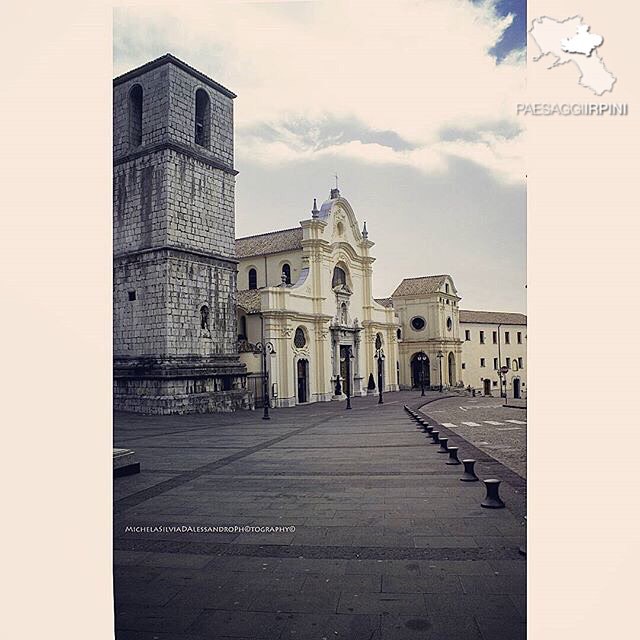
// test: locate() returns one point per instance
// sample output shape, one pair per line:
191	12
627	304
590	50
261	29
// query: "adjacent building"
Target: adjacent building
494	352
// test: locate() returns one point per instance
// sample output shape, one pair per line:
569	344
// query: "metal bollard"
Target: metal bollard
443	445
453	456
434	437
469	474
492	499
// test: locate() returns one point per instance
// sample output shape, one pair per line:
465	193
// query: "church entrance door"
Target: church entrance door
303	375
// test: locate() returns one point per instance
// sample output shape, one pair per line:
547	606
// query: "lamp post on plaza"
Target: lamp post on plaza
440	355
265	348
422	359
380	357
502	372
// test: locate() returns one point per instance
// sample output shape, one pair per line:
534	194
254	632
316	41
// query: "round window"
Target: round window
299	340
418	323
449	324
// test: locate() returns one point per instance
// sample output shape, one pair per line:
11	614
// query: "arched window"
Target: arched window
286	273
204	317
243	328
399	334
339	277
203	118
135	115
299	339
253	279
446	287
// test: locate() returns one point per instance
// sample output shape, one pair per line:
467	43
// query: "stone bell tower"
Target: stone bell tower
174	277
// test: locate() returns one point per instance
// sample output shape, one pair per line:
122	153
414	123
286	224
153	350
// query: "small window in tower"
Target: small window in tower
482	337
519	337
446	288
399	334
203	118
464	365
418	323
286	273
507	339
467	335
132	296
135	116
204	317
495	337
482	362
253	279
449	324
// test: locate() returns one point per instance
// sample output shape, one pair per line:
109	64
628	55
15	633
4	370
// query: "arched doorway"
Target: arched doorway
451	360
517	392
419	368
302	369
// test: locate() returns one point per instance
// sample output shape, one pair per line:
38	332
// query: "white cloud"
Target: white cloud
413	68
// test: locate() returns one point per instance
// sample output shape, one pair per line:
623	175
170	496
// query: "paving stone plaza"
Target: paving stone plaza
357	528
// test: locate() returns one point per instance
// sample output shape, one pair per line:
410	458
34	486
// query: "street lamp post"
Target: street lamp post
380	357
440	356
265	348
348	355
422	359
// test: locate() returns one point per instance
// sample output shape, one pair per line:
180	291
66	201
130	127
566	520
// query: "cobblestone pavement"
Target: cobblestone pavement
495	429
379	540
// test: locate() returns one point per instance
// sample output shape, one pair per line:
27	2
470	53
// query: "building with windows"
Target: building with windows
494	352
429	341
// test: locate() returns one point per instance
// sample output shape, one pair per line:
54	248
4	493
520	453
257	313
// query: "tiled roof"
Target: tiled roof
249	300
419	286
385	302
493	317
272	242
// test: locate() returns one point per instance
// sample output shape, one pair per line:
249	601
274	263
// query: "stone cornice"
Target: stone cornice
178	148
167	251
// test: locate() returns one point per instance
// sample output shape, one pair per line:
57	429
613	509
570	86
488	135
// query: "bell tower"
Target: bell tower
174	278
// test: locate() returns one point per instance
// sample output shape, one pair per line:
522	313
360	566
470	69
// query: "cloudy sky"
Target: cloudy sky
411	103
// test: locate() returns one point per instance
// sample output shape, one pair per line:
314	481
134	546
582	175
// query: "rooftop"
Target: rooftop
492	317
385	302
169	58
249	300
272	242
419	286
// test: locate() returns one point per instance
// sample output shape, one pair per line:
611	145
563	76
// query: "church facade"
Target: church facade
306	295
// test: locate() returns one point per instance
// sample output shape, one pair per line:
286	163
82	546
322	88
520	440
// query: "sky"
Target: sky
411	103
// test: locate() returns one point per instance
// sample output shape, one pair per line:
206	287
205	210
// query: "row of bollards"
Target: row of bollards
492	499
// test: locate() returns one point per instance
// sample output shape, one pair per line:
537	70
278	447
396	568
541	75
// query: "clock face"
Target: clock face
418	323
